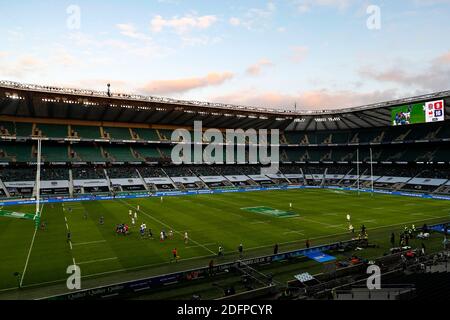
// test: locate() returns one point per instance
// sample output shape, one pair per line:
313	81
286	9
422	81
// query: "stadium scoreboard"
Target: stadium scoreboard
428	112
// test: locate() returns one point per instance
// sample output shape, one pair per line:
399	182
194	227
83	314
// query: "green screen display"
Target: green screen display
408	114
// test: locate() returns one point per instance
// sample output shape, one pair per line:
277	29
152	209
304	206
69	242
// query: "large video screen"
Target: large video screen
432	111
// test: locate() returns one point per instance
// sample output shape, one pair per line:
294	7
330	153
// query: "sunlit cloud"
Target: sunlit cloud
177	86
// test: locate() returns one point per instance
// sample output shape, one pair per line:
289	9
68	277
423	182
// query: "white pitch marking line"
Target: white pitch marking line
95	261
297	232
88	243
202	257
205	244
167	226
29	251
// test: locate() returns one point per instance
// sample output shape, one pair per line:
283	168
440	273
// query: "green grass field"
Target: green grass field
257	220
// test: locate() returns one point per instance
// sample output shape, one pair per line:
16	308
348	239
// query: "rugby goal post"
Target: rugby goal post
37	216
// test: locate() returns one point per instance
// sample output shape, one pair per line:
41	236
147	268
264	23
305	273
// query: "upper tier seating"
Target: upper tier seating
55	153
117	133
7	129
86	132
52	130
147	134
16	152
166	135
119	153
147	153
87	153
23	129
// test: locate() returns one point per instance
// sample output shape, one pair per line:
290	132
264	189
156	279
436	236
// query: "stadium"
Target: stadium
87	179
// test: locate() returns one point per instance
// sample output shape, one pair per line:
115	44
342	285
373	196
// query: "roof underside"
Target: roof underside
19	102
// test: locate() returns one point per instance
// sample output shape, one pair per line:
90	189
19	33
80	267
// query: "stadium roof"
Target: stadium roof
35	101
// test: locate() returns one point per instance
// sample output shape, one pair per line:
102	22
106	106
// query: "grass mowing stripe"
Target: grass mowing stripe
210	218
202	257
167	226
29	251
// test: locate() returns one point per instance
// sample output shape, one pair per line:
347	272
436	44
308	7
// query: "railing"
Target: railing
142	98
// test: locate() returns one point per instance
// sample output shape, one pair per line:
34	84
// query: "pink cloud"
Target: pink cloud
435	76
299	54
256	69
443	59
307	100
184	85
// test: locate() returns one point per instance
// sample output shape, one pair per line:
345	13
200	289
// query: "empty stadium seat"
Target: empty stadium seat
52	130
117	133
147	134
87	132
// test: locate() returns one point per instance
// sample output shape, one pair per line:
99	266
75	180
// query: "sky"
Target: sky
312	54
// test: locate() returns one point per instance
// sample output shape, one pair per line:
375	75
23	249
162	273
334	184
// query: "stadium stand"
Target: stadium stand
116	133
147	153
118	153
313	151
56	153
51	130
90	153
86	132
88	173
146	134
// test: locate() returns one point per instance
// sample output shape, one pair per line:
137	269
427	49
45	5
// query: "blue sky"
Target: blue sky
315	53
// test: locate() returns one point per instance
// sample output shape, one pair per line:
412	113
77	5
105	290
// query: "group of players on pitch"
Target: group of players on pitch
146	232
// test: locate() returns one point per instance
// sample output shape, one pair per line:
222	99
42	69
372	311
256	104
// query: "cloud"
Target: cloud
255	18
306	100
435	76
22	66
189	41
235	21
129	30
256	69
184	85
307	5
100	84
136	48
299	53
182	24
442	59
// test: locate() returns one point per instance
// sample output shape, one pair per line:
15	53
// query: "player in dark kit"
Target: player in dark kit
175	255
